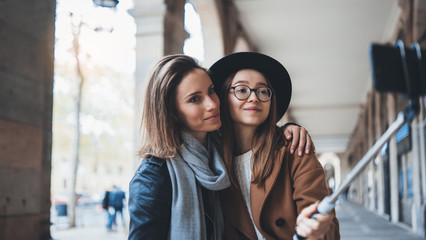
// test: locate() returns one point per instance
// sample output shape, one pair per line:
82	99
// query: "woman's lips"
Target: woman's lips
252	109
213	117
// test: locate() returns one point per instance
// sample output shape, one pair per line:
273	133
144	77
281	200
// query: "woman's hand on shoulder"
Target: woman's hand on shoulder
311	228
301	141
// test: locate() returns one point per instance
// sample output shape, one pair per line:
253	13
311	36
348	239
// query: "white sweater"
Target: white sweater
243	166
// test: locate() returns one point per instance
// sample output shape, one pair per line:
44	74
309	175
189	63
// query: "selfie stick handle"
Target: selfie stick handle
412	109
328	203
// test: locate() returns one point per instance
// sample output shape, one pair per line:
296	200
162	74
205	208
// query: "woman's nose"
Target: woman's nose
211	103
252	96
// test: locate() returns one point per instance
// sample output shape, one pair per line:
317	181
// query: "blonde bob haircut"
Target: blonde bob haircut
160	125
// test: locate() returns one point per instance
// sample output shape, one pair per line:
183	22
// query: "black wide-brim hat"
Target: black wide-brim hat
274	71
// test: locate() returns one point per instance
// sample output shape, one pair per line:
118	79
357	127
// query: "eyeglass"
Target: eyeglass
243	92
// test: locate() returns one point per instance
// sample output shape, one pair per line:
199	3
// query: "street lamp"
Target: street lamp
106	3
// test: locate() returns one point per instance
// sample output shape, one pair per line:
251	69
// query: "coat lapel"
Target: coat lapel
236	212
258	195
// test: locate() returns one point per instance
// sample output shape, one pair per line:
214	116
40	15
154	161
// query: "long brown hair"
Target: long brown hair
266	143
160	126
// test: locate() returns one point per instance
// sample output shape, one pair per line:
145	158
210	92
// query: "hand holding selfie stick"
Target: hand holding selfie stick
412	109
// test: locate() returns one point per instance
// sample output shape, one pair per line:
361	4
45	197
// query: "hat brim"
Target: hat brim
274	71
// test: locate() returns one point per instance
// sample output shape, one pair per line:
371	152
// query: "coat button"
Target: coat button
279	222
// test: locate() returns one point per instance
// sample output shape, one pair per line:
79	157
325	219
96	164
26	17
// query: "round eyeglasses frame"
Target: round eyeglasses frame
255	90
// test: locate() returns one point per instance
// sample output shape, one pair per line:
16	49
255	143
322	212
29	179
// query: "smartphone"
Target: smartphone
388	70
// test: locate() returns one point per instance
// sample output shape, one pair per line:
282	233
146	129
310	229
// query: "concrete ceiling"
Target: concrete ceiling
324	46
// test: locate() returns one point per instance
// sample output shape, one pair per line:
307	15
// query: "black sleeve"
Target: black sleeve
150	197
287	124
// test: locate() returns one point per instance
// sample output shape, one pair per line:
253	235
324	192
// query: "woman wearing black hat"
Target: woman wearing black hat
273	192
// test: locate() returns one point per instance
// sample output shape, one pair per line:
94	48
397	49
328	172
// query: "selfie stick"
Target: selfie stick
412	109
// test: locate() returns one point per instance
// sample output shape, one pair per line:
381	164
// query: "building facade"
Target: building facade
394	182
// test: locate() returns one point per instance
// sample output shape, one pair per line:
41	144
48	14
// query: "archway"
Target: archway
331	165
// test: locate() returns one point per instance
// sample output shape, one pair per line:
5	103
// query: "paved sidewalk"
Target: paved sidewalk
356	223
89	233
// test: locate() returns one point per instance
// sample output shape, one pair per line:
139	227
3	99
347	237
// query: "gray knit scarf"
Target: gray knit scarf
196	166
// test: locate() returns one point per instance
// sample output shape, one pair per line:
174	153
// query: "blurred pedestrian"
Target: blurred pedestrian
116	199
106	207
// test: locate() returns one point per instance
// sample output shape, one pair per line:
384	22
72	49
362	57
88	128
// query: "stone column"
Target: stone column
160	31
26	95
370	137
393	158
378	160
417	216
418	149
174	29
212	30
222	30
422	146
149	17
423	149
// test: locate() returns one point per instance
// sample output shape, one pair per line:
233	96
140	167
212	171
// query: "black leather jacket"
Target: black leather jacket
150	200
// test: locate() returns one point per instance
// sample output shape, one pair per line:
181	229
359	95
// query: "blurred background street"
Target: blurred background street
355	223
91	221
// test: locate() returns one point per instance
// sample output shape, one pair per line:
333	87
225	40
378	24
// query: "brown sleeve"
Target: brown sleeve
309	186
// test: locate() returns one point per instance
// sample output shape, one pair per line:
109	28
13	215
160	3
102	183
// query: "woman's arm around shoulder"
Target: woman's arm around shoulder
150	197
299	138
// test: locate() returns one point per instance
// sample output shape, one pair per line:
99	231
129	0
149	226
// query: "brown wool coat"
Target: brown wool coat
295	183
